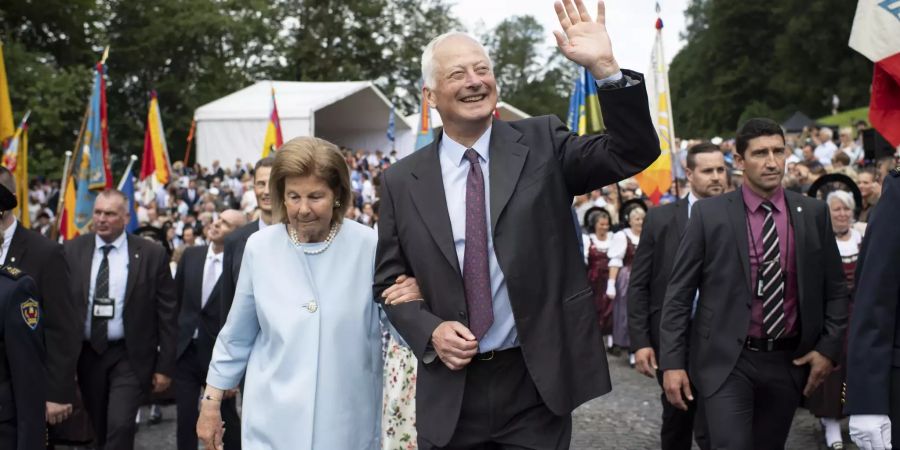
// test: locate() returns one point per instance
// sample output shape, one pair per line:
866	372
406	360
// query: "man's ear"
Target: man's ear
429	96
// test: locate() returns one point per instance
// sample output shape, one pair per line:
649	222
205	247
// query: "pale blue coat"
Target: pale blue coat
306	330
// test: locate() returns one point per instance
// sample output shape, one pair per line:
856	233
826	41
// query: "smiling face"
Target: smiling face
465	91
310	206
763	164
261	188
841	215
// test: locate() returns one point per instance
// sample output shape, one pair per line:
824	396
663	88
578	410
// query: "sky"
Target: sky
630	23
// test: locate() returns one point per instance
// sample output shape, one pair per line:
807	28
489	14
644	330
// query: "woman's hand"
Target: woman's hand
405	289
210	427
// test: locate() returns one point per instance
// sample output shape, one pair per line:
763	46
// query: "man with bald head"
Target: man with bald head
506	335
197	284
126	352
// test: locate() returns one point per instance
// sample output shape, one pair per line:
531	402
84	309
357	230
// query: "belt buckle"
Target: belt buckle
749	344
487	356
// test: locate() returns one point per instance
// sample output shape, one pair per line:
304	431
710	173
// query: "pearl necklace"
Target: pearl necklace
292	235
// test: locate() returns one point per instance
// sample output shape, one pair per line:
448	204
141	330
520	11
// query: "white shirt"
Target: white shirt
118	280
824	152
212	270
691	200
619	246
7	239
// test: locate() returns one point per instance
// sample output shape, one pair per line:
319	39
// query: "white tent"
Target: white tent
353	114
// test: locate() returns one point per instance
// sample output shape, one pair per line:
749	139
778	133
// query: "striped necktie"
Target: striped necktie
771	278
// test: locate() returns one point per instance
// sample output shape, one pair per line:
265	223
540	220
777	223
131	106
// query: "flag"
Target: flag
127	188
876	34
584	106
15	158
424	133
91	163
391	125
6	117
273	131
656	179
156	155
67	229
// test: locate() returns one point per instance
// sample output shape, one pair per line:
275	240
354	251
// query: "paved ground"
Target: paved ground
627	419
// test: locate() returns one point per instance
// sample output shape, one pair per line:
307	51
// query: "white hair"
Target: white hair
428	64
843	197
827	132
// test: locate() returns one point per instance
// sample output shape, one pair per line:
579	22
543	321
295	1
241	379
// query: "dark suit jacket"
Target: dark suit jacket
874	340
231	267
44	260
150	312
650	271
712	256
536	167
189	288
187	199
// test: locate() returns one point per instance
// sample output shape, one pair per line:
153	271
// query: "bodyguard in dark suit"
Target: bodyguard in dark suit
197	283
23	377
506	337
43	260
873	358
190	195
125	292
650	272
236	241
765	262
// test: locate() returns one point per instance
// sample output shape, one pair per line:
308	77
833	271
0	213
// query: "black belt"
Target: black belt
496	354
770	344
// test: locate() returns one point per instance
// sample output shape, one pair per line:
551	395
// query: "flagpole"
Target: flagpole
54	232
190	140
127	172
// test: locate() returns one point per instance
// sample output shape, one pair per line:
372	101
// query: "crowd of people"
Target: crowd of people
465	296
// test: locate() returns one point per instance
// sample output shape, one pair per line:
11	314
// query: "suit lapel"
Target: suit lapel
431	202
798	222
87	257
738	217
507	159
17	247
681	216
135	251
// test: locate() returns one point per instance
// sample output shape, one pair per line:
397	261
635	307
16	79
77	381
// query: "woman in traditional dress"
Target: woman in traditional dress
596	248
303	326
826	401
621	255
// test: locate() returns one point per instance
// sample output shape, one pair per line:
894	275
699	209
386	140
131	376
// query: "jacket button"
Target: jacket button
462	314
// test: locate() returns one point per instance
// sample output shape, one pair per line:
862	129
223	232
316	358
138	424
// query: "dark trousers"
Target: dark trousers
190	379
501	409
895	406
679	426
754	407
112	395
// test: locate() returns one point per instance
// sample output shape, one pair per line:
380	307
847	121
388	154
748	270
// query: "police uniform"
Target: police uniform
23	377
873	360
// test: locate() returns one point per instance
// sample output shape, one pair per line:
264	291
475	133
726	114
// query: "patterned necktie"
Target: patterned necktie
101	290
476	274
772	281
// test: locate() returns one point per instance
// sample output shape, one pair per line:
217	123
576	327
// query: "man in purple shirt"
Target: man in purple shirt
772	308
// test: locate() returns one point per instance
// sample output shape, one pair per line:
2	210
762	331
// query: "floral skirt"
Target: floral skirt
398	419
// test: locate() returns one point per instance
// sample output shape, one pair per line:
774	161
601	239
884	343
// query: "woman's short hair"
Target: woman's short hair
842	196
309	156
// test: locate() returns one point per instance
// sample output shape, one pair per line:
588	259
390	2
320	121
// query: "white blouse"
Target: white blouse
619	246
592	239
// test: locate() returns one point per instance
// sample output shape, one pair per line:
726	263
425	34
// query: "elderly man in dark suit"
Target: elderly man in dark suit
765	261
873	358
125	292
506	336
653	262
43	260
197	284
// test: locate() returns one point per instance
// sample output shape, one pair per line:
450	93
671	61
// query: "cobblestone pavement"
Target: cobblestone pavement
627	418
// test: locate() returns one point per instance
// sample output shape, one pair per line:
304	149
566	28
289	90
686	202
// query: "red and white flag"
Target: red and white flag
876	34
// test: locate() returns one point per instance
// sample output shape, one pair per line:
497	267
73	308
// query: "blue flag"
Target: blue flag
391	125
127	188
584	107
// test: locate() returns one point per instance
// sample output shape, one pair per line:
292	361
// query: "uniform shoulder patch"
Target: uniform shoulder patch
12	271
31	313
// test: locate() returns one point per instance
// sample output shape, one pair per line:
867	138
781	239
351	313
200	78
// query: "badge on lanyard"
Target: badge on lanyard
104	308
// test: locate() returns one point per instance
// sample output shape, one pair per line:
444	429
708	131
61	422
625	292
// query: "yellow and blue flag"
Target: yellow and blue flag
584	106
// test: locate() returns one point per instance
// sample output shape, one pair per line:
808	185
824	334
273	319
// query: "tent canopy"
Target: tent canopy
353	114
796	123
